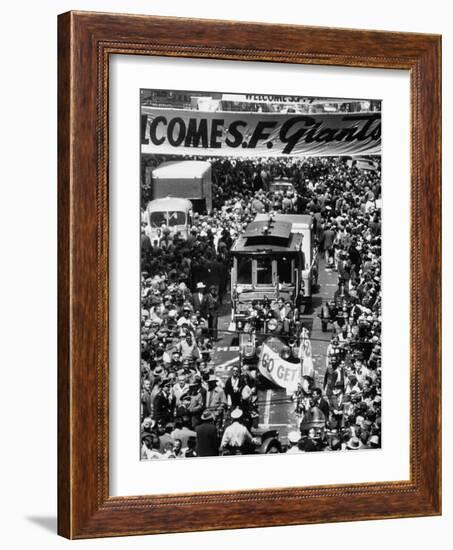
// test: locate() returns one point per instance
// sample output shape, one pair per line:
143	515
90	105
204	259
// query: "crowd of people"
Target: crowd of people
187	410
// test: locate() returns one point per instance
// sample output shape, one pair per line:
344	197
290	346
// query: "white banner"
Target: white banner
184	132
278	371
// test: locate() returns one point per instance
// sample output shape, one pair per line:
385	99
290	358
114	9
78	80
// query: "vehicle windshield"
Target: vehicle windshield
176	218
171	218
284	270
281	187
244	275
264	271
156	219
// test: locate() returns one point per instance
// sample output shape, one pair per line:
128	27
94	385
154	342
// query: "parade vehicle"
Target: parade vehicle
274	261
282	185
187	179
172	213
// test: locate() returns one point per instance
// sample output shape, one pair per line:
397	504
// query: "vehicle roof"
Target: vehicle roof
184	169
241	246
278	229
169	203
268	236
282	181
303	221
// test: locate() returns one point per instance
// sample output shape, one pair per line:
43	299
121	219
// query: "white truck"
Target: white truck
186	179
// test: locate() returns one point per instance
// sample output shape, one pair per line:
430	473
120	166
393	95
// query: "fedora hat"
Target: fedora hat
353	444
200	286
207	415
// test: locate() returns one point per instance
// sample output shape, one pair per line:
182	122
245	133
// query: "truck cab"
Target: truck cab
171	213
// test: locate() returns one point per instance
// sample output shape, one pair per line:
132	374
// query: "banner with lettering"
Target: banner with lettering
278	371
185	132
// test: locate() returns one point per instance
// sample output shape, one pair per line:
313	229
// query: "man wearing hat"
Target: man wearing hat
236	437
207	442
353	444
147	428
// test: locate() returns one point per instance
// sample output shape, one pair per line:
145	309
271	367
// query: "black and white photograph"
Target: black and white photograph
260	269
229	222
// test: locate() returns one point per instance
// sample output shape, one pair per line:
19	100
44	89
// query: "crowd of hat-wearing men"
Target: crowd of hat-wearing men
186	410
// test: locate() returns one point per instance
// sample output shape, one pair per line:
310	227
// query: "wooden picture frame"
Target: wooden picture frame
85	41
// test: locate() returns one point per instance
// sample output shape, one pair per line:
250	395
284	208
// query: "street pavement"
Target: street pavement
276	409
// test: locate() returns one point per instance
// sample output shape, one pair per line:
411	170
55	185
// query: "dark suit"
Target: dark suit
323	404
207	441
213	315
338	404
338	376
235	394
329	238
162	407
222	274
200	305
